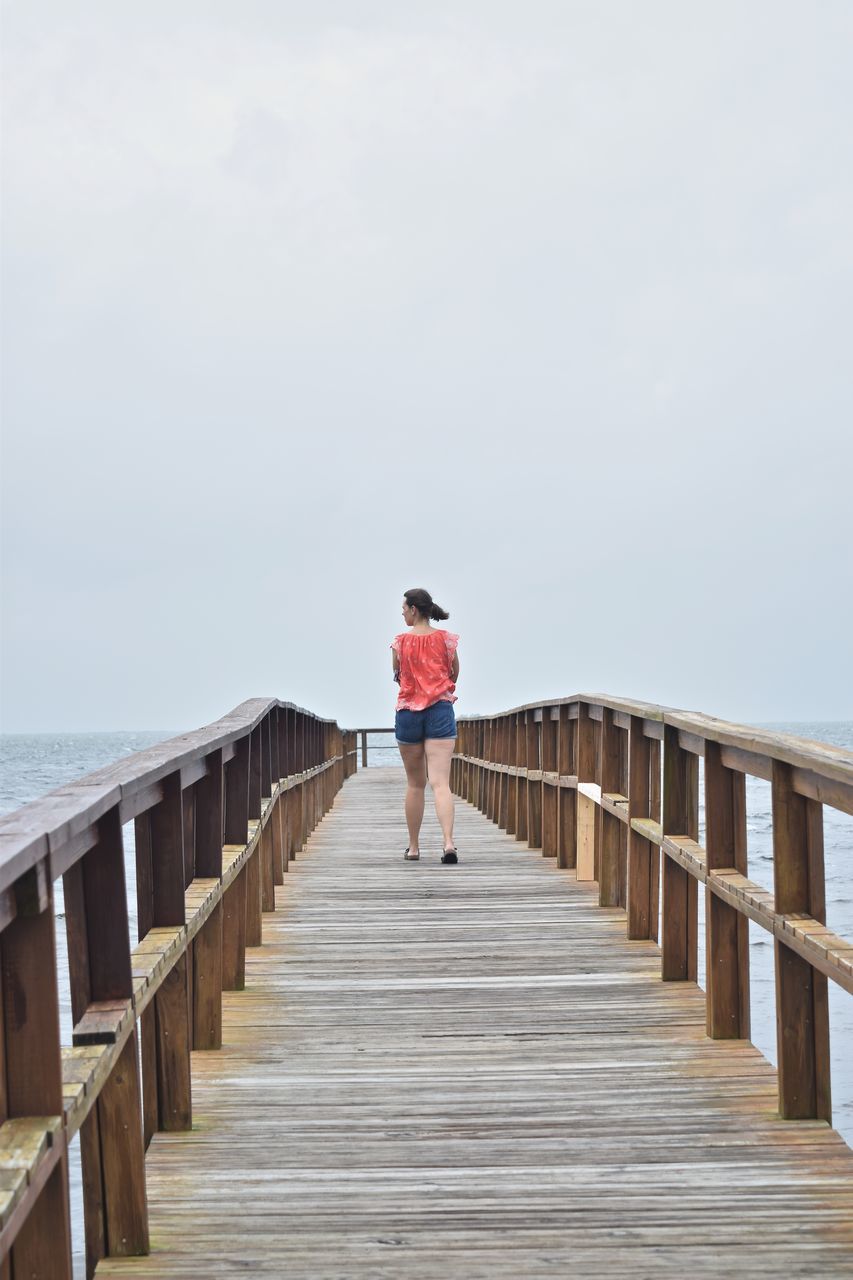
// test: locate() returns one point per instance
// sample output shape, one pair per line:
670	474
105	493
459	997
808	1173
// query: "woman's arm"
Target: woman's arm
395	663
454	668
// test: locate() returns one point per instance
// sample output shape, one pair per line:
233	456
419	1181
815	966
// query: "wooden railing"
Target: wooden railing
604	785
365	746
218	815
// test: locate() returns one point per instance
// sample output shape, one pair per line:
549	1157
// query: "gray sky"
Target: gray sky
543	306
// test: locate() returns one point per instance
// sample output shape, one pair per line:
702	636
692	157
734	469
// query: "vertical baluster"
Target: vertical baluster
534	785
277	816
112	1149
585	807
287	799
502	777
491	775
643	856
567	802
550	792
298	766
497	776
488	776
188	810
465	738
655	810
521	814
208	943
478	775
234	899
171	1002
802	1011
31	1079
254	925
609	826
312	782
147	1021
726	929
511	778
680	899
266	851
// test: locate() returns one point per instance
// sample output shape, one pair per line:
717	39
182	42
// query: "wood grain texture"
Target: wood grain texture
802	1008
207	983
171	1006
679	894
469	1071
122	1155
727	930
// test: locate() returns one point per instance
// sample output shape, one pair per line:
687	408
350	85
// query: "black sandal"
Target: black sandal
449	856
411	857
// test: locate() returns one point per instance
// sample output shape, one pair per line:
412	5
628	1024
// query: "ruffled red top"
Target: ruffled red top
425	662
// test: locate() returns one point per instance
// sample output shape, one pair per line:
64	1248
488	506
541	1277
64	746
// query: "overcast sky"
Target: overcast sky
543	306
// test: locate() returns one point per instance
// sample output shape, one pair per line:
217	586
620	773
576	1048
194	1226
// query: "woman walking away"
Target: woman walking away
426	667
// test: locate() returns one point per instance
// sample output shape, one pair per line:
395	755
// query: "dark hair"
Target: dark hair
421	600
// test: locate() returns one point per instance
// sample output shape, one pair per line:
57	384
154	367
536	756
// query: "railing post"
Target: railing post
364	749
279	866
612	842
643	857
503	776
521	813
31	1080
171	1023
679	895
266	842
567	802
534	786
111	1143
477	779
297	795
491	775
287	768
550	789
208	943
802	1011
585	824
726	929
510	756
234	899
254	925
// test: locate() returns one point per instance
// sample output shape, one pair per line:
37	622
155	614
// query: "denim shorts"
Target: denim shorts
437	721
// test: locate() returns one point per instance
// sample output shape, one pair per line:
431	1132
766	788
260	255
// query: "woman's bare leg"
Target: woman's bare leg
414	761
439	752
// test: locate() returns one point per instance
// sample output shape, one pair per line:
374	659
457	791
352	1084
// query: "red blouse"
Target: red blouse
425	664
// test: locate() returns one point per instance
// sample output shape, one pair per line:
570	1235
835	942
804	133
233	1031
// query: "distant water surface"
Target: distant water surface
31	764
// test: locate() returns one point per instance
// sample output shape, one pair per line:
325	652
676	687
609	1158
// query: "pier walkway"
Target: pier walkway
470	1072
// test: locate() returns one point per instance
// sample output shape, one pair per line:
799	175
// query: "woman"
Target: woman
426	667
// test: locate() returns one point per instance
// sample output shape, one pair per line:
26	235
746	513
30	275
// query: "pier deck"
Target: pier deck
468	1071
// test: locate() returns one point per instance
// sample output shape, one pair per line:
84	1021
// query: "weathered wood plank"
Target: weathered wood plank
470	1071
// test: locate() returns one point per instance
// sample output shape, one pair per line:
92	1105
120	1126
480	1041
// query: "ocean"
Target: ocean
31	764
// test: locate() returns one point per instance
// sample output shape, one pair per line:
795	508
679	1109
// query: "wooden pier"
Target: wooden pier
351	1065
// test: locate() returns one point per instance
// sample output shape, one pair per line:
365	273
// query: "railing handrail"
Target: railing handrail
365	745
833	762
52	822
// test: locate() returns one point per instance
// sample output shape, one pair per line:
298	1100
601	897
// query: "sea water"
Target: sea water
31	764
